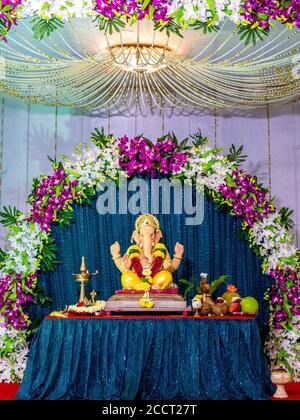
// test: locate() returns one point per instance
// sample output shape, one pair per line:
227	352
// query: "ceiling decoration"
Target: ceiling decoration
80	66
180	53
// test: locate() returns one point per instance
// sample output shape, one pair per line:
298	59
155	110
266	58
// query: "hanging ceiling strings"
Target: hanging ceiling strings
80	66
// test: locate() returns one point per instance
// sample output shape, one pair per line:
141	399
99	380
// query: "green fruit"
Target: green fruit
250	305
228	297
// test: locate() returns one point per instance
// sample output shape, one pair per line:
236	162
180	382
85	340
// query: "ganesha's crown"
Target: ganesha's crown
147	220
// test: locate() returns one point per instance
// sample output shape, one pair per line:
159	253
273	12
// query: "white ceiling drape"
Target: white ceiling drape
79	66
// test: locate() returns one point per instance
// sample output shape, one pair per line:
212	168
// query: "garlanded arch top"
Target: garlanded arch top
253	18
74	180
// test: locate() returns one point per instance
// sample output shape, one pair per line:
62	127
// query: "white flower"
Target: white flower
274	241
289	341
63	9
93	165
208	168
12	365
24	242
199	9
197	303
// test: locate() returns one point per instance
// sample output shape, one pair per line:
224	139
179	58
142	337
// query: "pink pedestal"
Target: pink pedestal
165	301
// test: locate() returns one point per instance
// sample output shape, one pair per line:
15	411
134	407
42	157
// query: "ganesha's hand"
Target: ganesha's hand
115	249
126	261
179	249
167	264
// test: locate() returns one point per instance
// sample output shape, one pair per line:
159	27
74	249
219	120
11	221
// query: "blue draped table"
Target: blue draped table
148	359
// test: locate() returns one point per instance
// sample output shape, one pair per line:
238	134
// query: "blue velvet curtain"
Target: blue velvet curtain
213	247
148	359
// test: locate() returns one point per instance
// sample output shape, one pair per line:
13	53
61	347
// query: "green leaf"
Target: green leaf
44	27
235	155
3	256
45	200
285	219
216	283
9	216
66	216
99	138
170	27
39	297
230	181
210	4
174	138
263	16
183	144
189	286
54	163
109	25
187	290
198	139
204	26
249	34
48	255
186	282
151	12
145	4
6	8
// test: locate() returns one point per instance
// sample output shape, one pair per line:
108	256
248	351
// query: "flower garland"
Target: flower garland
253	17
159	256
31	247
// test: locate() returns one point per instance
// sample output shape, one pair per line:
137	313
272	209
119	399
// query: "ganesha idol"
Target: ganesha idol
147	264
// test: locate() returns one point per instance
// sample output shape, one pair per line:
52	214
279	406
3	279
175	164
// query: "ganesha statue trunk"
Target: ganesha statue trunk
147	264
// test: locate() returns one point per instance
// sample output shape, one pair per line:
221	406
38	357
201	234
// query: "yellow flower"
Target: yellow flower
143	286
197	297
146	303
244	226
160	246
245	22
146	272
133	247
135	254
159	254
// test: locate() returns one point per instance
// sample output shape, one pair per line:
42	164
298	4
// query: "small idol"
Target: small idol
146	265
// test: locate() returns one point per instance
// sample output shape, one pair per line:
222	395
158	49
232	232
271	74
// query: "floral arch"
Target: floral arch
74	180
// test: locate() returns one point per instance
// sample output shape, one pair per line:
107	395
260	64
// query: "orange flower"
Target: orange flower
231	288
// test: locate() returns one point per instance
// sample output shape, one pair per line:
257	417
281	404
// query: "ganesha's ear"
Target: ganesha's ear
158	236
136	237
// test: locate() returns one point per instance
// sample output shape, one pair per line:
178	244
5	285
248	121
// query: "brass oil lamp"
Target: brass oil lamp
83	277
